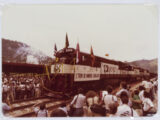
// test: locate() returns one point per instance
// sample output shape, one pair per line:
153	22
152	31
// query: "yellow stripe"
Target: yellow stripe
47	72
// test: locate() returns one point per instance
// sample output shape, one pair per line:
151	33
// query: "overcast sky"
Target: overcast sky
125	32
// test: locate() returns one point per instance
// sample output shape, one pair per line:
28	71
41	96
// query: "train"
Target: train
72	69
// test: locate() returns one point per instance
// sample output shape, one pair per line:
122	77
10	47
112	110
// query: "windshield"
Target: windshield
65	60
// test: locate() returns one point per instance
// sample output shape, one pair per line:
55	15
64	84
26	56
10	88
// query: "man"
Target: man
103	93
109	99
123	88
147	104
78	103
37	90
141	93
22	91
124	110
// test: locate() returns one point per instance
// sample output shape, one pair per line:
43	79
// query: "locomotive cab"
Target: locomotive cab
62	70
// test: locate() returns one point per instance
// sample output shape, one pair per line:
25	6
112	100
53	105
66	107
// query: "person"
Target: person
136	102
5	106
63	107
18	91
124	109
12	91
58	113
123	88
32	87
147	85
109	99
28	89
113	110
102	94
147	104
78	103
91	98
22	90
141	93
6	90
37	90
40	111
155	84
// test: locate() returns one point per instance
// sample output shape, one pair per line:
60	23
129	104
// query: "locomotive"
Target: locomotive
72	69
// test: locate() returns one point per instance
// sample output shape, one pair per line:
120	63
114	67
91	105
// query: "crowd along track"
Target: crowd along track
25	108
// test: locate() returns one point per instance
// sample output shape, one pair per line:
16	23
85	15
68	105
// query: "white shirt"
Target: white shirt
92	101
124	110
5	108
147	104
104	93
80	101
155	83
141	95
109	99
147	84
37	86
6	88
22	86
64	109
40	113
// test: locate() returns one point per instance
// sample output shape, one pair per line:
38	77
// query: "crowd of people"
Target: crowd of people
124	102
20	87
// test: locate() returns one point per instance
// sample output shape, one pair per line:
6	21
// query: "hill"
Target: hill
18	52
151	65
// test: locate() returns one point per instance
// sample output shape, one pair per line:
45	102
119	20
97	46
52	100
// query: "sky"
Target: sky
125	32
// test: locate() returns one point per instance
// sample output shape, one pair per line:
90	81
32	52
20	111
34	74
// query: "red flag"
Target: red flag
92	56
67	42
78	57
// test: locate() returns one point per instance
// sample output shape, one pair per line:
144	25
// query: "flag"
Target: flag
55	50
67	42
78	57
92	57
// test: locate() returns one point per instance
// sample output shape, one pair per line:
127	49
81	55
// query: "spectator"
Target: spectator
124	109
137	103
113	110
58	113
5	106
123	88
147	105
78	103
63	107
109	99
91	98
41	111
141	93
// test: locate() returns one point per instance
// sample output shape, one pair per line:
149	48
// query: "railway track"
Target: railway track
25	108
